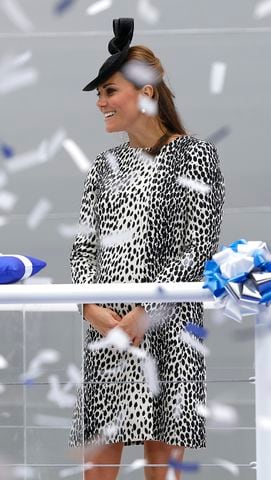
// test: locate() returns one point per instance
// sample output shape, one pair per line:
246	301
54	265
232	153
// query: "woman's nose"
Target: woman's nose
101	102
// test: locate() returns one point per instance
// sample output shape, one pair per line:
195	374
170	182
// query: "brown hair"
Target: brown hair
168	117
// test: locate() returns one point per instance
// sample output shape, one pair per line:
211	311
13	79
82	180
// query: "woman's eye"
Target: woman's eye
110	91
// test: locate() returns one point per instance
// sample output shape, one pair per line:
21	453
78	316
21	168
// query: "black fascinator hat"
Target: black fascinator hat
118	47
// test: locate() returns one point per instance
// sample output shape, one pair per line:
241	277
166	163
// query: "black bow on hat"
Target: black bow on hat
118	47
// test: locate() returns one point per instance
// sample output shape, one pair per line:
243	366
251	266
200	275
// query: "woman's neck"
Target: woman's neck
145	137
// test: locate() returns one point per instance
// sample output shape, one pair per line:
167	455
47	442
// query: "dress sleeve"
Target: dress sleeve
83	253
204	194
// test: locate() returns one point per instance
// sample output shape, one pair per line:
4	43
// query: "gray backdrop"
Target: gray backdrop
67	50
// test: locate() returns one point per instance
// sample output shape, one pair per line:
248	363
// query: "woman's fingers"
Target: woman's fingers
116	316
137	341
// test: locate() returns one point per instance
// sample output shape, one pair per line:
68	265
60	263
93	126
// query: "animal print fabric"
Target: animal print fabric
151	220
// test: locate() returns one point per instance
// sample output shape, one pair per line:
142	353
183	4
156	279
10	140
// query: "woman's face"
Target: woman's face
118	102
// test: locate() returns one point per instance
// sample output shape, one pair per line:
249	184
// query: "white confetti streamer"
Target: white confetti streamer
264	422
193	184
3	221
2	388
140	73
136	465
38	281
74	378
203	411
43	357
15	13
262	9
28	159
7	200
69	231
56	142
138	352
178	410
51	421
3	362
170	475
218	412
229	466
38	213
58	396
151	374
148	12
194	343
17	80
113	427
73	373
113	162
23	471
99	7
217	77
147	105
116	337
5	414
68	472
79	158
9	63
3	179
116	238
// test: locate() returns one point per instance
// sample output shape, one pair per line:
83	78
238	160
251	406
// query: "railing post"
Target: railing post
263	394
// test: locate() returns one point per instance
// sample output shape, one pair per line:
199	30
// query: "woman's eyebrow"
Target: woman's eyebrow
106	85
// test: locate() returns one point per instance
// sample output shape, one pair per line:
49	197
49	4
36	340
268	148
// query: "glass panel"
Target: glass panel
34	426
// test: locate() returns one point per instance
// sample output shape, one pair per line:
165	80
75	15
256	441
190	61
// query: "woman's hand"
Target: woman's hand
135	324
102	319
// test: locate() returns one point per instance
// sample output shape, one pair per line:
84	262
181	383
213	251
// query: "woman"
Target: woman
170	204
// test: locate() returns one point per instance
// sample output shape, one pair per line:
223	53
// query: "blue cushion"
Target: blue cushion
18	267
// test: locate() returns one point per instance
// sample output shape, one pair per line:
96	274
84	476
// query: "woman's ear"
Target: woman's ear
148	90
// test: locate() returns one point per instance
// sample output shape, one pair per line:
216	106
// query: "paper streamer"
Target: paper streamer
79	158
3	221
229	466
219	135
116	238
151	374
70	471
36	366
69	231
194	343
63	5
262	9
193	185
7	200
217	77
3	179
3	362
99	7
136	465
57	395
116	337
38	213
140	73
16	80
148	12
15	13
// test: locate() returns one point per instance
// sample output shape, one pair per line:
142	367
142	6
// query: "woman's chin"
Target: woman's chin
112	128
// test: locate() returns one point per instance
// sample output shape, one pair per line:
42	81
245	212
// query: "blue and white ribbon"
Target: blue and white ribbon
239	276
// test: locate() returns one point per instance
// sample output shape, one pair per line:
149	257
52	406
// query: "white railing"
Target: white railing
166	292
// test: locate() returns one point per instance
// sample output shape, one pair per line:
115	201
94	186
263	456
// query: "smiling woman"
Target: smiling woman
159	227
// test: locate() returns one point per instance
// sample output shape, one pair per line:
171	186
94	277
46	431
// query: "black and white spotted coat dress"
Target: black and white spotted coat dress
163	228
